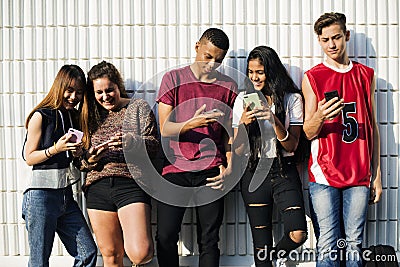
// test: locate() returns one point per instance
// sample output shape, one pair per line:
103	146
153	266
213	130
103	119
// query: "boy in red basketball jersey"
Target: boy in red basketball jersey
344	167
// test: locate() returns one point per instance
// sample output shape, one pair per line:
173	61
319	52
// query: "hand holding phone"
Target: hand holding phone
331	94
76	135
253	100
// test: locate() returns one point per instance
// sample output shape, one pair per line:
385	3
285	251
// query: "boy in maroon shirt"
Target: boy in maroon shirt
195	104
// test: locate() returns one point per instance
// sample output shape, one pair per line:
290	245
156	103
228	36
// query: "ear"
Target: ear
197	46
347	36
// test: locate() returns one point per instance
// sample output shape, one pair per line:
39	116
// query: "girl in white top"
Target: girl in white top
268	136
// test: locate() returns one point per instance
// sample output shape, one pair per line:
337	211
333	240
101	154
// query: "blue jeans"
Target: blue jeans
338	217
54	210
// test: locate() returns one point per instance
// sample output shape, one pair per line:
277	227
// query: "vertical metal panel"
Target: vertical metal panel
393	40
382	235
172	12
306	14
160	9
168	35
382	73
384	161
283	32
61	15
28	13
116	12
273	12
241	11
240	44
273	37
294	43
382	12
382	41
383	206
201	9
149	11
7	13
228	12
372	233
105	45
360	40
393	107
262	14
285	15
184	12
3	204
382	102
251	11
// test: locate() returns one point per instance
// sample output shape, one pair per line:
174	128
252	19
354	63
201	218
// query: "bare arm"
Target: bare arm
169	128
376	182
290	144
32	154
316	113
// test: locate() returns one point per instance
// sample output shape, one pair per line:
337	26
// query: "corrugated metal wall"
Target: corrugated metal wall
145	37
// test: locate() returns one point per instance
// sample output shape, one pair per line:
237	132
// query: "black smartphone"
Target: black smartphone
331	94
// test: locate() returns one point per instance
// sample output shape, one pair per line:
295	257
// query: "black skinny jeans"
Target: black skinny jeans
285	193
208	217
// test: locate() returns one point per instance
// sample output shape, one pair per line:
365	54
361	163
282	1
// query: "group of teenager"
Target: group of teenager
344	168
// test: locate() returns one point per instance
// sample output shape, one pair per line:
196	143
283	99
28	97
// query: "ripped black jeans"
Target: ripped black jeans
286	194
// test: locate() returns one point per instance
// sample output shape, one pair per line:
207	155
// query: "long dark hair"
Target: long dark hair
102	70
278	84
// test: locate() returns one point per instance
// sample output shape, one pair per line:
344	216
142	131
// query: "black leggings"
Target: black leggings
287	195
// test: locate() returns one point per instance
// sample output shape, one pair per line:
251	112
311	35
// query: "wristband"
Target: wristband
45	152
285	138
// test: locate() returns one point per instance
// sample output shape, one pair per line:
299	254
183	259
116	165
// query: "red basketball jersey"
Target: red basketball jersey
341	155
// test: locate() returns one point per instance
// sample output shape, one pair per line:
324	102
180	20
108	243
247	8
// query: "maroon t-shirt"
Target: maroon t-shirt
200	148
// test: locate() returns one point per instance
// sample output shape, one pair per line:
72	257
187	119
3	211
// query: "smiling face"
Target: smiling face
333	42
107	94
73	95
257	74
208	57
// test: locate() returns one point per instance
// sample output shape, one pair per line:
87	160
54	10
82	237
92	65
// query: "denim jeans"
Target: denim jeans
338	216
47	211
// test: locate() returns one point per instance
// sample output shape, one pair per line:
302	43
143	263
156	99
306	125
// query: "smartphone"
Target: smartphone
104	144
215	110
253	99
76	135
331	94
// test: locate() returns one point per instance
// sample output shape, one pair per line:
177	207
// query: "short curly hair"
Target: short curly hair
328	19
217	37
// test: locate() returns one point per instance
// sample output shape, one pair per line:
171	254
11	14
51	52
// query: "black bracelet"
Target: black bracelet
47	153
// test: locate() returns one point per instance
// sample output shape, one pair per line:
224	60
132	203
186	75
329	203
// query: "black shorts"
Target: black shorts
113	193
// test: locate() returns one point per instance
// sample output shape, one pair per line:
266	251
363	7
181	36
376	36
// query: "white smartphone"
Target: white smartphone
253	99
76	135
